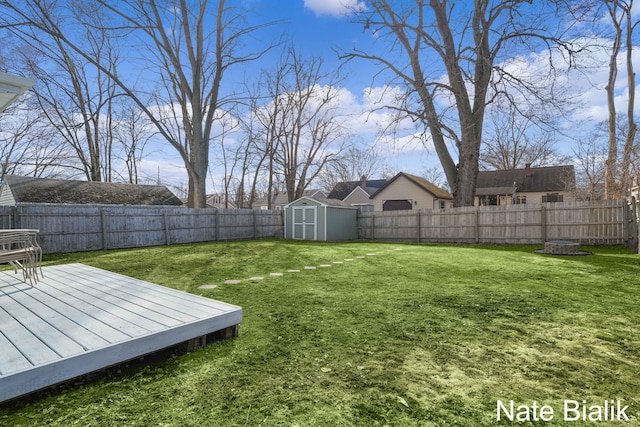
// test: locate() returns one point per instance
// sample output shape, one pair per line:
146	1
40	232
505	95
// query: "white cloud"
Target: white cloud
336	8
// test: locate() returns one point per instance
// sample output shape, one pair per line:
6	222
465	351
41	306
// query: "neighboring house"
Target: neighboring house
357	193
21	189
219	201
529	185
279	199
405	191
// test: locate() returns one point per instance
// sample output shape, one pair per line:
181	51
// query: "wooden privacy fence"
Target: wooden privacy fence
611	222
74	228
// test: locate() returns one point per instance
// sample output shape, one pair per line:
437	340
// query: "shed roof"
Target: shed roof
46	190
528	179
281	198
325	202
420	182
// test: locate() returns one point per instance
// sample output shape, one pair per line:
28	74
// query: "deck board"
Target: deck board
79	319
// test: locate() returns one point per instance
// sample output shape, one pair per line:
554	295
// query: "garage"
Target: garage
324	220
397	205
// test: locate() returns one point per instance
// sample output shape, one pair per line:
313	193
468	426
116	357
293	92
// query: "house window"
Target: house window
519	200
442	204
492	200
552	198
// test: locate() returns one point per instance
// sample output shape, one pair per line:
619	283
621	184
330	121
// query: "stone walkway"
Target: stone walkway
293	271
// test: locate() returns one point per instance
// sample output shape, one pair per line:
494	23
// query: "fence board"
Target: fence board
74	228
599	223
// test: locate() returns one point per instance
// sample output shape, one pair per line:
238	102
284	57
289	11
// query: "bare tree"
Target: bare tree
253	153
617	174
76	98
590	159
132	132
434	175
303	127
27	145
449	56
512	140
231	156
186	47
351	165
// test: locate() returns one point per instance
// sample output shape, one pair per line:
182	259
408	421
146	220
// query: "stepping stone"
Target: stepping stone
360	256
293	271
309	267
207	287
325	265
337	262
275	274
254	278
348	259
231	282
371	254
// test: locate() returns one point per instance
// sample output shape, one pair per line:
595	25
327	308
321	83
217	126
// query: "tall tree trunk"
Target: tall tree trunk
611	190
625	165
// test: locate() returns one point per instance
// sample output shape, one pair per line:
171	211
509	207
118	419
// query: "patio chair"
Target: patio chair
19	247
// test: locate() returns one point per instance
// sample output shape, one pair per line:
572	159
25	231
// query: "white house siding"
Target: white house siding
358	197
6	196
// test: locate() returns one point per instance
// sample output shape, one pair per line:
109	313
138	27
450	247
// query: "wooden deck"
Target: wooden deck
80	319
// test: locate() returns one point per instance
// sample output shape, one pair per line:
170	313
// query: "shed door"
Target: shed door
304	222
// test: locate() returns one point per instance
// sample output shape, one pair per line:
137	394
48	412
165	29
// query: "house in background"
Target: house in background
405	191
357	193
279	199
219	201
22	189
529	185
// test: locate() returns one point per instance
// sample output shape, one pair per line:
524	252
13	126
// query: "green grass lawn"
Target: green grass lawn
413	335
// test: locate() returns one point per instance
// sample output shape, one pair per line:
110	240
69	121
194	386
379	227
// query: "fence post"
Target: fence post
105	237
255	226
373	226
15	217
543	223
167	237
476	225
631	224
217	226
419	225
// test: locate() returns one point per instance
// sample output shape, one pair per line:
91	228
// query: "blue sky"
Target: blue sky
317	27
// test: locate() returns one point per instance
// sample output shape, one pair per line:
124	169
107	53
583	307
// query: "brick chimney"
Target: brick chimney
527	169
363	181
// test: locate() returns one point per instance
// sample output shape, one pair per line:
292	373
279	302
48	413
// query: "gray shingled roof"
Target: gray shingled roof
45	190
542	179
420	182
342	189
